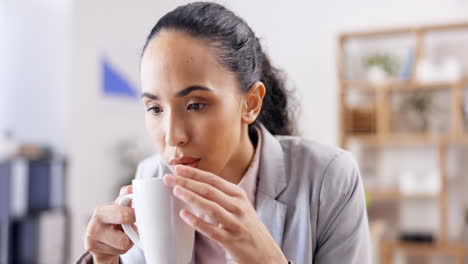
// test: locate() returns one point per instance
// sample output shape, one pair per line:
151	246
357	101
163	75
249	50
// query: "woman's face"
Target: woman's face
193	106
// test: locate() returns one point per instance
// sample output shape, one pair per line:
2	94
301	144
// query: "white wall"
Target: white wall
299	36
35	70
3	65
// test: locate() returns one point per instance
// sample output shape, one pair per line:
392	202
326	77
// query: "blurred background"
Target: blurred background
383	79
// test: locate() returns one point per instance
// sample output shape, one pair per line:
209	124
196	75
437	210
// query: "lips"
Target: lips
187	161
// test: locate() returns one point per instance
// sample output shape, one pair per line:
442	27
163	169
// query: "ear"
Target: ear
253	100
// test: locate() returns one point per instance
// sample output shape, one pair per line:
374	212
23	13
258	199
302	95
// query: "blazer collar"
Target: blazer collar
271	182
272	174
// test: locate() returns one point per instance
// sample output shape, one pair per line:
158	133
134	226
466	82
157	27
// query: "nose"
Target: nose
176	133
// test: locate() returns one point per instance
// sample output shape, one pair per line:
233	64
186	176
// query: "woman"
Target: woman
217	113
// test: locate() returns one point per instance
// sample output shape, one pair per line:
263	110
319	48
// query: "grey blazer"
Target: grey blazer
309	196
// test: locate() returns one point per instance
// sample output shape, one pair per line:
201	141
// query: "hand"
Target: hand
105	239
239	230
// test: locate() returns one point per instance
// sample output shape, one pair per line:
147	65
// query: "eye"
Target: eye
196	107
154	110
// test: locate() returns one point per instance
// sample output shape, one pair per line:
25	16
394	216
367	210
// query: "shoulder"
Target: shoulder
151	167
298	150
312	162
295	145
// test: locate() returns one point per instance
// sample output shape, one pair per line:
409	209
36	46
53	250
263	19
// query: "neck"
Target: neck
240	162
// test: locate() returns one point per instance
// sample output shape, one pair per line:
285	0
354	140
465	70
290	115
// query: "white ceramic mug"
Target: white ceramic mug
163	236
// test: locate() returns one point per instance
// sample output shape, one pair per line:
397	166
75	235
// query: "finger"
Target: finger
115	214
127	189
209	178
108	235
205	190
215	232
206	207
136	229
96	246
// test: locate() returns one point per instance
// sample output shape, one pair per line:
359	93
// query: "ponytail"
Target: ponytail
276	113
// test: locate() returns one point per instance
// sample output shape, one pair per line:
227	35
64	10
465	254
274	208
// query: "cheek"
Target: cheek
219	135
154	132
221	126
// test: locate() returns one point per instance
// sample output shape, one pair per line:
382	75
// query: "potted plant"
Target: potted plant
380	67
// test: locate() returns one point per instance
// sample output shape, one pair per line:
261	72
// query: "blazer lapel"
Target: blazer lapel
272	213
271	182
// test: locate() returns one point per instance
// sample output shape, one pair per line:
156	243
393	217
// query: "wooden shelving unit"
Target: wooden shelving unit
395	194
387	249
384	136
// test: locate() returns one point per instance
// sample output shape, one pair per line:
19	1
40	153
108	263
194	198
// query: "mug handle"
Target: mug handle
128	229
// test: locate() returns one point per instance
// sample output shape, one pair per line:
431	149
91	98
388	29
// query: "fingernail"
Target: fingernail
185	215
180	169
170	180
179	192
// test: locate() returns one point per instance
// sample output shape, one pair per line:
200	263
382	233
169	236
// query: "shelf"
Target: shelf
402	30
400	85
395	194
463	139
383	137
407	139
398	138
453	248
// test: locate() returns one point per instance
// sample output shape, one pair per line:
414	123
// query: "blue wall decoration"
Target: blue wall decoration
114	83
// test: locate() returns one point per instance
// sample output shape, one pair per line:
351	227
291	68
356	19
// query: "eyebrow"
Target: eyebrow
181	93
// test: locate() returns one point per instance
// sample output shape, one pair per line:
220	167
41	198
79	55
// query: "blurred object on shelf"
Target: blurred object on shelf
35	151
378	59
465	109
8	146
441	45
19	186
428	72
376	75
464	232
35	209
380	67
413	184
417	237
51	227
363	119
366	157
362	113
419	112
418	107
388	211
407	66
377	229
356	99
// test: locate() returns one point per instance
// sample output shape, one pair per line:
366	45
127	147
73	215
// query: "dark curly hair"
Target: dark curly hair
239	51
